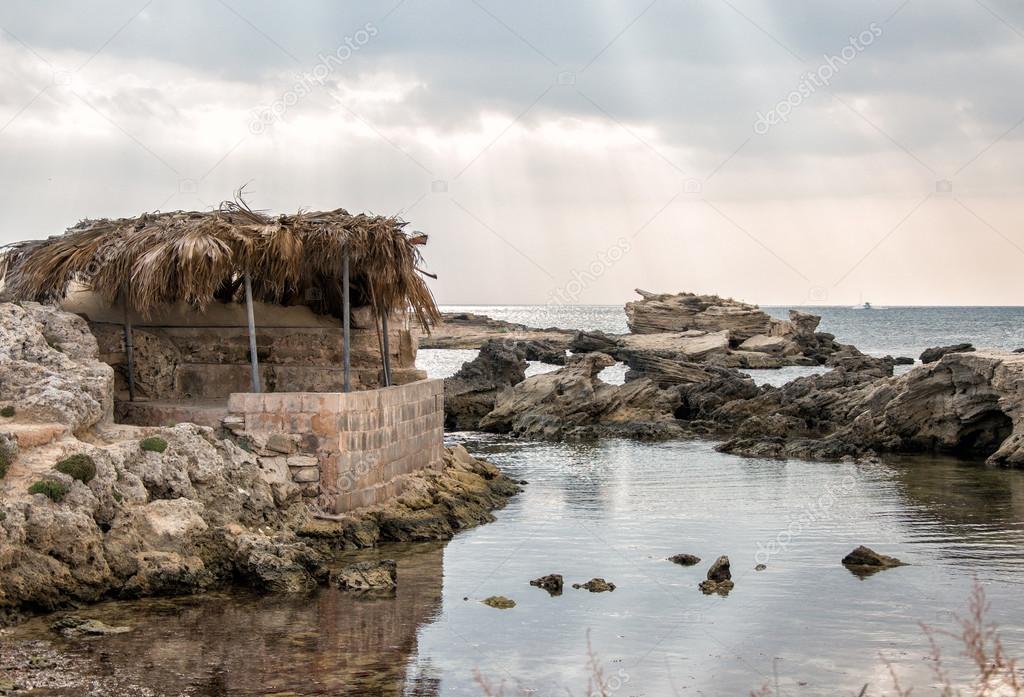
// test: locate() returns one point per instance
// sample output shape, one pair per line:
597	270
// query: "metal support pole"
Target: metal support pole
129	347
387	350
252	335
346	326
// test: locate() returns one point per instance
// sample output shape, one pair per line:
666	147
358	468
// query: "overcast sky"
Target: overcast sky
783	152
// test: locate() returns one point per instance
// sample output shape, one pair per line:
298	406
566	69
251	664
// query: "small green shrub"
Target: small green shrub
7	412
118	496
154	444
3	516
54	490
5	462
79	466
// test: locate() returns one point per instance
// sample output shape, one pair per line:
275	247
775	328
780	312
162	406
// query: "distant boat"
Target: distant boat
865	306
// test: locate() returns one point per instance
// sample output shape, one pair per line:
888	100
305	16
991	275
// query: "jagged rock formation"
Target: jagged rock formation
933	354
657	313
469	395
573	403
970	404
196	512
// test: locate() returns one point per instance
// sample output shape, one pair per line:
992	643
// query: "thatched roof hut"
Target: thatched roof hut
161	258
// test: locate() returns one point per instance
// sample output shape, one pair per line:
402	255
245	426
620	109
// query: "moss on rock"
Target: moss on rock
52	489
79	466
153	444
7	412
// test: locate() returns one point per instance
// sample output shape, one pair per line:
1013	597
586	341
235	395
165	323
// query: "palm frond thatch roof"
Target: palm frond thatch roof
199	258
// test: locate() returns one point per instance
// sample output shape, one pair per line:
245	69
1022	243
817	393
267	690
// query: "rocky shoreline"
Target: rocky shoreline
93	510
684	380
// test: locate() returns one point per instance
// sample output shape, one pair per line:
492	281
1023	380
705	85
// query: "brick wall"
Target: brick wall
361	443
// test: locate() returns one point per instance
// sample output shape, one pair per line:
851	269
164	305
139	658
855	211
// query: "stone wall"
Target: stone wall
186	355
346	450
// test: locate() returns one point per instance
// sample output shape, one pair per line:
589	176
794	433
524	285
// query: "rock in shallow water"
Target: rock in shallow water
719	578
864	562
595	585
73	626
685	559
499	602
367	576
552	583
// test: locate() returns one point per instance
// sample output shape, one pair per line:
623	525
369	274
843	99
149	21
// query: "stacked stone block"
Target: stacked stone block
350	450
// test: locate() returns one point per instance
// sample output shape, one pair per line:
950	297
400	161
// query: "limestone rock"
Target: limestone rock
685	559
864	561
367	576
465	330
552	583
73	626
499	602
595	585
684	311
470	394
719	578
573	403
933	354
49	367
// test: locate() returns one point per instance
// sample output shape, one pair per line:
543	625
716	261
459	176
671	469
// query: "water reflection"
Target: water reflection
329	643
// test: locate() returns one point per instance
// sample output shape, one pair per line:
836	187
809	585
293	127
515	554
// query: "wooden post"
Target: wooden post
252	335
386	350
129	347
346	326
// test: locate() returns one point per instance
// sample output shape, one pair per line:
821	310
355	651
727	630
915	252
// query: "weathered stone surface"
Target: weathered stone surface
49	367
573	403
469	395
74	626
367	576
499	602
200	513
966	403
774	345
552	583
685	559
657	313
595	585
933	354
719	578
864	561
465	330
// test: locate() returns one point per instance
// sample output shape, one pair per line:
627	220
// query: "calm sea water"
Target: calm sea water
616	510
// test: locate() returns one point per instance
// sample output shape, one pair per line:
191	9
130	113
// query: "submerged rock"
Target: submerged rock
367	576
499	602
552	583
933	354
864	561
73	626
685	559
595	585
